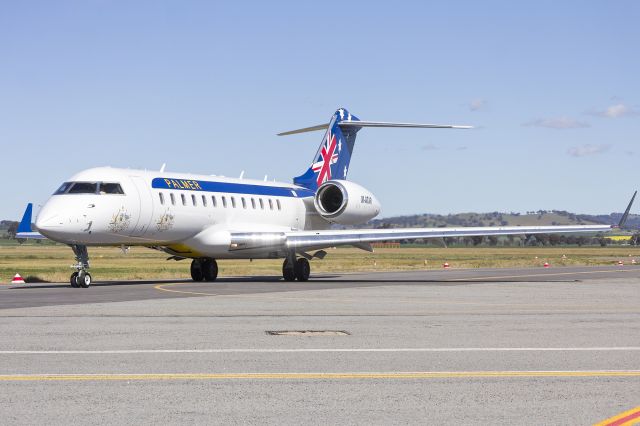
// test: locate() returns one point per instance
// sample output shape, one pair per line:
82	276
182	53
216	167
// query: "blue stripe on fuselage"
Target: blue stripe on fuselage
233	188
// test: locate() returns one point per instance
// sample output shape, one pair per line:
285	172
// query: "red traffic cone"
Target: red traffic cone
17	279
620	263
445	265
546	265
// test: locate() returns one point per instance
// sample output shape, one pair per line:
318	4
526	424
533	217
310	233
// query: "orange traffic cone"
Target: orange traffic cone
620	263
17	279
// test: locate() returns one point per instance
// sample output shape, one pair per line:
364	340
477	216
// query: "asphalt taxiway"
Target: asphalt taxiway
526	346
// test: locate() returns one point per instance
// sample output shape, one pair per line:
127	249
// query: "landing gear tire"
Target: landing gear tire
302	269
73	281
288	272
83	279
209	268
196	270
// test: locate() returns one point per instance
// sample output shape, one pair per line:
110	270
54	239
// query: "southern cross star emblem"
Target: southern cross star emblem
327	157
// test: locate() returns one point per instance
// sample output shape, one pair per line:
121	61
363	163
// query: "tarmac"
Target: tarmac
472	346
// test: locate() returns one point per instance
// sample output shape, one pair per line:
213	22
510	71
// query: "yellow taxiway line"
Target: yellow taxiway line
161	288
315	376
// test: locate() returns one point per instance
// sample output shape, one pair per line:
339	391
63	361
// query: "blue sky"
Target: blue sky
205	86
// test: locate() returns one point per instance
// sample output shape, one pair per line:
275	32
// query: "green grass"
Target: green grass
52	262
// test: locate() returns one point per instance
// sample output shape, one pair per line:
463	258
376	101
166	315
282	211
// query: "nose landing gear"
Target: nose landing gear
80	278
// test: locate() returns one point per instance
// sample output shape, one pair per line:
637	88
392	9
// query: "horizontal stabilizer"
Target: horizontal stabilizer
305	130
359	124
408	125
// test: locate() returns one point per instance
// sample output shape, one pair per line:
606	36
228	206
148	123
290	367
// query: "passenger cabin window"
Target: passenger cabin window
161	195
184	199
278	204
244	203
270	204
173	199
261	204
253	203
224	201
111	188
83	188
193	200
233	202
204	201
213	200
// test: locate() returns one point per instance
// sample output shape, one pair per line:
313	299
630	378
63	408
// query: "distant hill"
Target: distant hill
539	218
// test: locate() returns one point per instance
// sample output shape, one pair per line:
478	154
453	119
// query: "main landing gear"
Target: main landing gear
204	269
80	278
293	269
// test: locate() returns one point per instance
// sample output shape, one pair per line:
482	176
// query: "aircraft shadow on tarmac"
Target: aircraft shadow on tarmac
326	279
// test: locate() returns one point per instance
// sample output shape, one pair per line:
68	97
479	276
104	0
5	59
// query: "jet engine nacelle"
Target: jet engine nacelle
345	203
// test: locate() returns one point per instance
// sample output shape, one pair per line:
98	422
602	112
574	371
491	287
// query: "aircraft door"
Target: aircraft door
145	206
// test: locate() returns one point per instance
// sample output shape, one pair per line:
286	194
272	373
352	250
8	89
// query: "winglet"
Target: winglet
25	223
625	216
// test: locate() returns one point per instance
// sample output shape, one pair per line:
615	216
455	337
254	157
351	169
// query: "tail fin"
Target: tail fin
334	155
24	230
25	223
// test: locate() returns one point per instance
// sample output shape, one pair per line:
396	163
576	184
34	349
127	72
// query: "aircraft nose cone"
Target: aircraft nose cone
48	220
43	224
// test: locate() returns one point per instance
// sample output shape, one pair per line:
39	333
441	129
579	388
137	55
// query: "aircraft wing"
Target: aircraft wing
24	228
312	240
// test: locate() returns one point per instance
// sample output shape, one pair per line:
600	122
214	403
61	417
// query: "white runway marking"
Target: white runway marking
309	350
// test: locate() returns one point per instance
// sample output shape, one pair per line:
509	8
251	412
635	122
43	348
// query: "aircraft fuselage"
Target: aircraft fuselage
193	215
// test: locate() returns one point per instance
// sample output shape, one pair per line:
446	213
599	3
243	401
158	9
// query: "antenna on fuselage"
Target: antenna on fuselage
162	168
241	174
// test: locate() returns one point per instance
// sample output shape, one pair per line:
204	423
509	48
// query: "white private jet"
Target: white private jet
205	218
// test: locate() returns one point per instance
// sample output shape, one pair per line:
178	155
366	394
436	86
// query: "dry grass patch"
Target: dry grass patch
51	262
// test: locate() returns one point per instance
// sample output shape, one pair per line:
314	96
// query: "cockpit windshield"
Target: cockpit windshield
63	188
83	188
98	188
110	188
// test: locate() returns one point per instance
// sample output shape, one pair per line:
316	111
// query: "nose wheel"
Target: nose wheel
80	278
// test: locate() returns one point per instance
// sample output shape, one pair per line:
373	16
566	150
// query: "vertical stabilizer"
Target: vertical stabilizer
334	155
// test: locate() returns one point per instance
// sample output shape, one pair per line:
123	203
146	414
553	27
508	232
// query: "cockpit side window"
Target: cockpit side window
63	188
111	188
83	188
